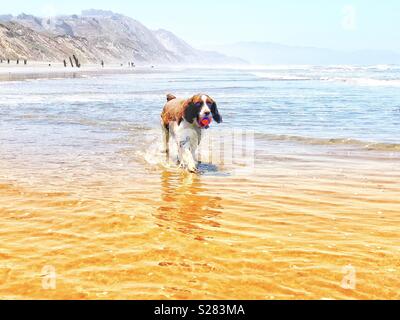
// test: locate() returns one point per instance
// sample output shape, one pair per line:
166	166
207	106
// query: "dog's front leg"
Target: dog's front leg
166	136
187	153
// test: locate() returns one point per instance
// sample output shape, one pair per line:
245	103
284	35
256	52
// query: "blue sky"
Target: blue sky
339	24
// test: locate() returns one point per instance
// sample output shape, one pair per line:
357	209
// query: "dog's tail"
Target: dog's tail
170	97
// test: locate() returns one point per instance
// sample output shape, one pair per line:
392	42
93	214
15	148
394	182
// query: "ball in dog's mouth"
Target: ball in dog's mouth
205	122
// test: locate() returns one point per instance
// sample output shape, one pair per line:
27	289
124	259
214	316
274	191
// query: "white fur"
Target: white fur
187	137
205	109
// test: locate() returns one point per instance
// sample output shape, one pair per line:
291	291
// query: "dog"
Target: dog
183	121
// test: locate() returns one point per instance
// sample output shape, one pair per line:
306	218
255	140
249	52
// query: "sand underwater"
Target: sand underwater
89	211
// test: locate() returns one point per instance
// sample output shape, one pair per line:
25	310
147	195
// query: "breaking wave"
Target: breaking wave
367	145
365	81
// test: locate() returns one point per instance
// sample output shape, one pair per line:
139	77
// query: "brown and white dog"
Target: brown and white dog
181	120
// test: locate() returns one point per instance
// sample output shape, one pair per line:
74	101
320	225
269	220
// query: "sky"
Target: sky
339	24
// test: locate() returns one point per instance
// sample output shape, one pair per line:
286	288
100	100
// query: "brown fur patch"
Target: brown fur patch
173	111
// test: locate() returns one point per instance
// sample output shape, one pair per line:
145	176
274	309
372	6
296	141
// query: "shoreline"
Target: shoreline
36	71
49	70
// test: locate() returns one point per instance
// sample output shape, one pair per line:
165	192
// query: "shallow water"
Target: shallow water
84	189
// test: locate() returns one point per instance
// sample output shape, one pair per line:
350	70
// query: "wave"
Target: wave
343	67
279	77
365	81
361	81
383	67
367	145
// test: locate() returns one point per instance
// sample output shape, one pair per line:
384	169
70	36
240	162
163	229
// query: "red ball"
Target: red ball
205	122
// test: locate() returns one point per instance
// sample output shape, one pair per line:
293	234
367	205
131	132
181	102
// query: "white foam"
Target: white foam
365	81
279	77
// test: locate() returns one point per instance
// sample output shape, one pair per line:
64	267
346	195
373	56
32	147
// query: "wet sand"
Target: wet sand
36	70
139	232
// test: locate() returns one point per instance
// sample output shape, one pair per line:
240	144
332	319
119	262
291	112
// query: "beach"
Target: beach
53	70
313	212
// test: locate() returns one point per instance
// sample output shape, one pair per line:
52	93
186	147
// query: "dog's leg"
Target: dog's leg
166	135
199	136
194	149
187	155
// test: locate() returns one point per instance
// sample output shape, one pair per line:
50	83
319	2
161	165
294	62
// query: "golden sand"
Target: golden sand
288	231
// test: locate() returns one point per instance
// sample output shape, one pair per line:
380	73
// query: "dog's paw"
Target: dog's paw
193	169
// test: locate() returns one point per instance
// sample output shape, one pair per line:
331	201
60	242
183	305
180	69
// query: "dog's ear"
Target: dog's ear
170	97
215	113
191	111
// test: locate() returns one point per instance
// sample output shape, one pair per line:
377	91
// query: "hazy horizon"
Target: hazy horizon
343	25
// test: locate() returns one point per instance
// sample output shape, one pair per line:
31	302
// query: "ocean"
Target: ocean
329	104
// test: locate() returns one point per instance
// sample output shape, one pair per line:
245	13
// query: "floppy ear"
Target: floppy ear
215	113
190	112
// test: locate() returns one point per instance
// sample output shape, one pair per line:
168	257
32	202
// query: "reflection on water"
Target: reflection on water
34	76
186	205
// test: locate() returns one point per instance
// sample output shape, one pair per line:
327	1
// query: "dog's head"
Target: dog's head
199	107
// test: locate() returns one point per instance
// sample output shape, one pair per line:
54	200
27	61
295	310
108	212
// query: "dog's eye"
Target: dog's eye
198	104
